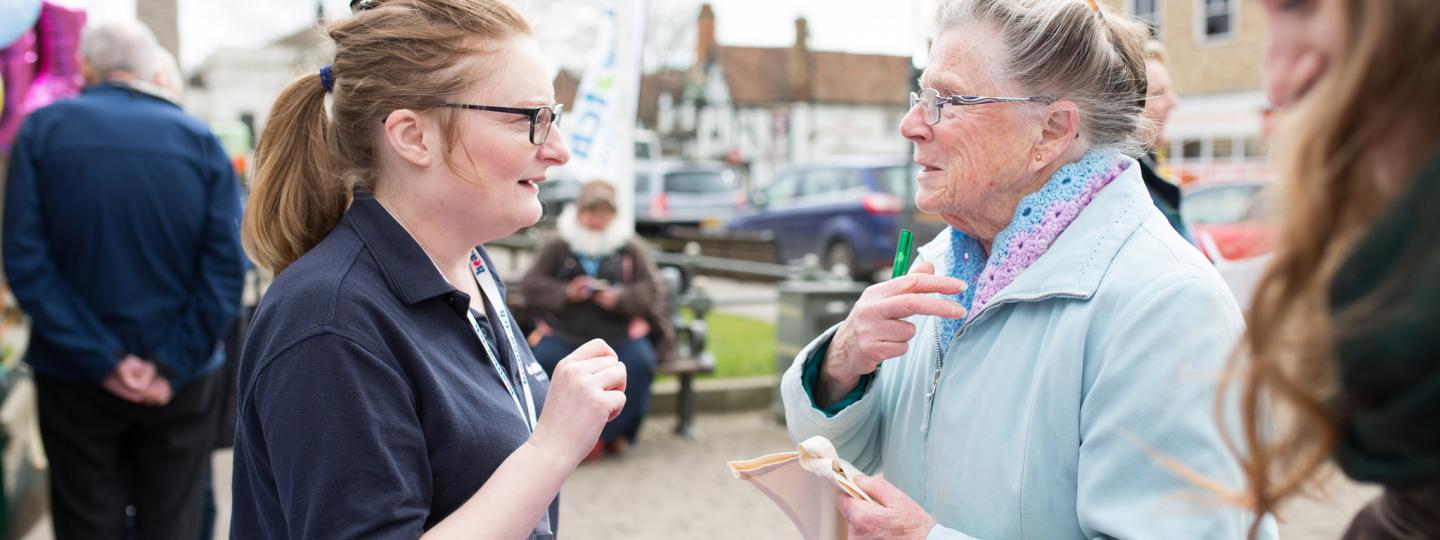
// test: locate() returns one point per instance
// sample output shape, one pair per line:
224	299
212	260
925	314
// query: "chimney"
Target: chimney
705	36
802	33
162	17
798	62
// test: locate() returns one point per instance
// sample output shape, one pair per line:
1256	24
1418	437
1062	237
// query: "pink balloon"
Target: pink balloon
58	72
41	67
17	68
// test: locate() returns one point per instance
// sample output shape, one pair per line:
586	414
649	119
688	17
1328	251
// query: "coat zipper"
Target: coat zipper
939	365
940	358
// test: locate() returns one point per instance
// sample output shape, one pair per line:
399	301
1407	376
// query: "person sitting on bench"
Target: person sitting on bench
596	280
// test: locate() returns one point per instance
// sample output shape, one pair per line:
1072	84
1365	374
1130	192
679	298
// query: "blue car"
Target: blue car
847	212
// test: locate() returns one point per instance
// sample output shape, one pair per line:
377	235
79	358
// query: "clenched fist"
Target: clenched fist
586	391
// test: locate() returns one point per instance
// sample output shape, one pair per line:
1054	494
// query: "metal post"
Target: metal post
685	407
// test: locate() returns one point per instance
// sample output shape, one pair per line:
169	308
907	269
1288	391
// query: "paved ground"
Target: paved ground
664	488
671	488
667	487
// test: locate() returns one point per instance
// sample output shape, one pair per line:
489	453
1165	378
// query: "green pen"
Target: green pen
902	254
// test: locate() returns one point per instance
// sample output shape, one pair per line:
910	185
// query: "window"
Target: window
1217	18
1192	149
828	182
1264	206
699	182
895	180
783	190
1220	204
1147	11
1223	149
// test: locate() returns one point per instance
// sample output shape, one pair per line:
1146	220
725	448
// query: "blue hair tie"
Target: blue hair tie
327	78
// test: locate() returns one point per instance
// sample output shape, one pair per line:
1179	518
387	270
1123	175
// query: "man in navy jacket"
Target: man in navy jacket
121	241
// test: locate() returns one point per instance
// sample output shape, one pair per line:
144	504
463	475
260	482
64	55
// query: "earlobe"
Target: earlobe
405	132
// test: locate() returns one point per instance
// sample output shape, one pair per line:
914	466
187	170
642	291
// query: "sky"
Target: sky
864	26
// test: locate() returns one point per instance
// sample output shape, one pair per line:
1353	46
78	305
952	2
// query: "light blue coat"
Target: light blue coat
1057	396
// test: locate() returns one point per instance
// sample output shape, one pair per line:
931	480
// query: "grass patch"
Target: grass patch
743	347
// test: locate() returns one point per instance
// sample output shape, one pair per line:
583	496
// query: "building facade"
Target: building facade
1216	52
765	108
242	84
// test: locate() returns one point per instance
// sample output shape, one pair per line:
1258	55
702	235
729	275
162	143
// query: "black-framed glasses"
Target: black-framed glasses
541	118
932	101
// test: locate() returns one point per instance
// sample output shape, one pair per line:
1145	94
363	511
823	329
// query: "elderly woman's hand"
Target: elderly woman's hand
875	330
893	515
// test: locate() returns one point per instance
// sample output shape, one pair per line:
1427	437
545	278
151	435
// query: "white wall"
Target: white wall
238	81
845	130
772	137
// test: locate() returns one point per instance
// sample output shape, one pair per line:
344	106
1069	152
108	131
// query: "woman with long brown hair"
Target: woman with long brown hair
384	390
1344	332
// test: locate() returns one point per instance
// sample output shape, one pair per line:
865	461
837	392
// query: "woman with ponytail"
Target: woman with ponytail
385	391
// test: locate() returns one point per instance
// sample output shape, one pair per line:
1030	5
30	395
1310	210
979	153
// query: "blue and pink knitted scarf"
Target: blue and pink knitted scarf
1038	221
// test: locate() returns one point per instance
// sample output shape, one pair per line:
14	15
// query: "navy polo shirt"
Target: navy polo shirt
367	406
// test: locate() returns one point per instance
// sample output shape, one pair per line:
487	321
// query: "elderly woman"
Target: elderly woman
1061	391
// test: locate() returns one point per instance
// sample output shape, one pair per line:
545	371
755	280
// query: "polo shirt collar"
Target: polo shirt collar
406	268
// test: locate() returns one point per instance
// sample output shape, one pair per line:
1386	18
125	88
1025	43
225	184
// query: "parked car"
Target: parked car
679	194
1230	221
847	212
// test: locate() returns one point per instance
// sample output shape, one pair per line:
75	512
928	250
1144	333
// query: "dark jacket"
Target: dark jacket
122	236
1165	195
630	268
367	406
1389	365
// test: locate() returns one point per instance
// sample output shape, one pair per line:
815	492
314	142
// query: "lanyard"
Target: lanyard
486	280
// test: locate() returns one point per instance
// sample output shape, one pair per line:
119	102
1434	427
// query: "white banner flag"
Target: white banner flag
601	128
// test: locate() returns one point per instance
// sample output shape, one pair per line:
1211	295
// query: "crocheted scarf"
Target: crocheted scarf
1038	221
